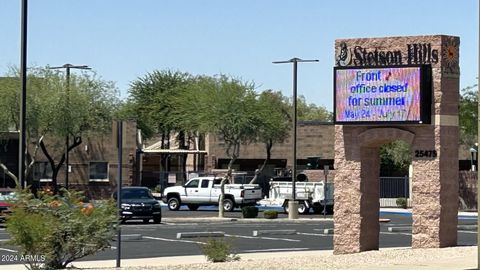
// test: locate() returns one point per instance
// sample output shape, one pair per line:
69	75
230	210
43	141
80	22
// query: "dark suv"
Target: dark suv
138	203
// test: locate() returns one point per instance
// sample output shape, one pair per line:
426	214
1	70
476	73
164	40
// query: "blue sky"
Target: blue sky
124	39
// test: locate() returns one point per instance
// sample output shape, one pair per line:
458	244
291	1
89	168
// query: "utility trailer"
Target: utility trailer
310	195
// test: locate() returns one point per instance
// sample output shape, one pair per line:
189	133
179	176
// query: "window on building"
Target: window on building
98	171
42	171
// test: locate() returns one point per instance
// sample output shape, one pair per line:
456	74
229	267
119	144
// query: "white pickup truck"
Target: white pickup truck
206	191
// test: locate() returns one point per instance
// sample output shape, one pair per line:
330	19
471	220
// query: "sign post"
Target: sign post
325	172
119	188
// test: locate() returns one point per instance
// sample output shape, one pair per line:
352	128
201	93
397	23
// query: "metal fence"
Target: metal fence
394	187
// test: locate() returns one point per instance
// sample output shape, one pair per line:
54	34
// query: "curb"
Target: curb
199	234
328	231
129	237
467	227
399	229
274	232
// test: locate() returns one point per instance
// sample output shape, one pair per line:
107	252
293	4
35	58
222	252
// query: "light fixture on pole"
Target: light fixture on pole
293	204
67	68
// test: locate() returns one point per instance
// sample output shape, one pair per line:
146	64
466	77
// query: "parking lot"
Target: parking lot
159	240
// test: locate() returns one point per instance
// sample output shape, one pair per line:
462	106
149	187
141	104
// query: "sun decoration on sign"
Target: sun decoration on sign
450	53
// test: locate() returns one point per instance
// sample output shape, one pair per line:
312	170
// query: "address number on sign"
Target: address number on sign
425	153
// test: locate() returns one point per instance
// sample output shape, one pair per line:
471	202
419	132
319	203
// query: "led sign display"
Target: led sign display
382	95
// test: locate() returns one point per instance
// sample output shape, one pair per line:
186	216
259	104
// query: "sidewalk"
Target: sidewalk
396	259
389	258
461	214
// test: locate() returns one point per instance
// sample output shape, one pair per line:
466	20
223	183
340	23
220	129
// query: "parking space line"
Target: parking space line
180	224
242	236
262	237
314	234
380	233
472	232
173	240
8	250
395	233
273	249
280	239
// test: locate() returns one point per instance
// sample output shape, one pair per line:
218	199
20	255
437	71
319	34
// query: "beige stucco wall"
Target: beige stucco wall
313	139
97	148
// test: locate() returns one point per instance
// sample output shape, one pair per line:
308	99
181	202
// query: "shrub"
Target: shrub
218	250
55	230
402	202
270	214
250	211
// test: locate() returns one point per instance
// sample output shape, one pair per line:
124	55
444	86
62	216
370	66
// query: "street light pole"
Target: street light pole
293	204
478	140
23	98
67	68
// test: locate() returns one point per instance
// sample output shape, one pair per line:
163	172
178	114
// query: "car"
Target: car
138	203
6	198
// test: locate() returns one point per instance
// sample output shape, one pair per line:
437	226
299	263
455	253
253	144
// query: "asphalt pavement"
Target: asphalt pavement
160	240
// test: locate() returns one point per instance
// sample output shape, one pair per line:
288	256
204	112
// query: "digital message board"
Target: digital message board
397	94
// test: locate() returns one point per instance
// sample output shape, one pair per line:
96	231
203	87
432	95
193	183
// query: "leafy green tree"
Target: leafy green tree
310	111
151	104
274	127
468	115
223	106
91	103
395	157
150	99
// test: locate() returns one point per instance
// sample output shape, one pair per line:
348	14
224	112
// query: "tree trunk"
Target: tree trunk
182	143
55	169
222	187
268	147
163	157
32	158
9	173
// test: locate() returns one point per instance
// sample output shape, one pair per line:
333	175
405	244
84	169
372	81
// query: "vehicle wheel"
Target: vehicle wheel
173	204
228	205
318	209
146	220
329	209
303	209
157	220
192	207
